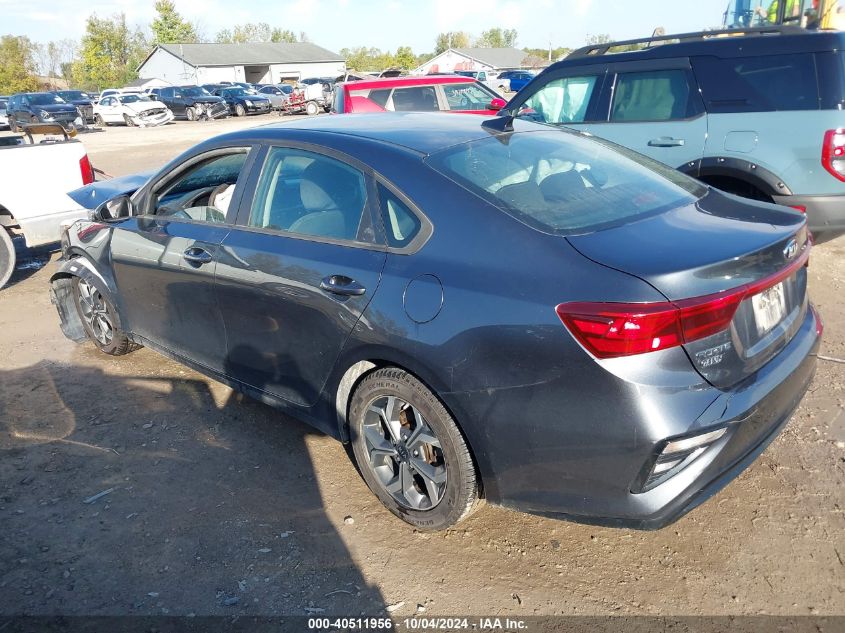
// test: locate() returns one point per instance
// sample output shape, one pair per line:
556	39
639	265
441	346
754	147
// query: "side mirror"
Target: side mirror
497	104
114	209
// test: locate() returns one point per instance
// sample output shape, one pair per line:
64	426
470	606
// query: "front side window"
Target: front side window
560	101
313	195
205	191
563	183
662	95
468	96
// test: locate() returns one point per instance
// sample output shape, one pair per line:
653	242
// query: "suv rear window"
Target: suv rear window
560	182
758	84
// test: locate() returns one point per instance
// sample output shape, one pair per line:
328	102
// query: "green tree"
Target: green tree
169	27
256	32
17	65
405	58
452	39
497	38
279	35
109	53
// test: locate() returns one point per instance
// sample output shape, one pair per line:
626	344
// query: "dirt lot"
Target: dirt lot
216	505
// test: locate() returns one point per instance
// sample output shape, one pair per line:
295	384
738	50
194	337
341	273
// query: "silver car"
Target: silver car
278	94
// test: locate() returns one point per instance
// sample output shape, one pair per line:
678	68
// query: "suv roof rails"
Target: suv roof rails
604	49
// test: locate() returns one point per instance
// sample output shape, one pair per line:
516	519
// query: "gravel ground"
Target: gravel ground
136	486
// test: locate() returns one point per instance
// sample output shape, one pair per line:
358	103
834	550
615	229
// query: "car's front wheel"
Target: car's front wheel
98	318
240	110
190	114
410	451
98	121
128	120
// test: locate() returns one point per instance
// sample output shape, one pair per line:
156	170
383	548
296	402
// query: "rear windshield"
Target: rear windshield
561	182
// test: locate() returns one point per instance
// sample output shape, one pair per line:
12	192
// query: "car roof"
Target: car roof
414	80
421	132
781	41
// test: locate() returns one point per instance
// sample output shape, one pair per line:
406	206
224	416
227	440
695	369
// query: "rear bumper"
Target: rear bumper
825	214
590	456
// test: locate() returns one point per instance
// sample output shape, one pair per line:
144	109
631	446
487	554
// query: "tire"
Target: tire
431	485
99	319
13	126
240	110
98	121
7	256
311	108
190	114
128	121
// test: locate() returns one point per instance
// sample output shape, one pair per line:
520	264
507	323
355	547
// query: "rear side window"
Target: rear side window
415	99
311	194
758	84
401	225
662	95
561	183
560	101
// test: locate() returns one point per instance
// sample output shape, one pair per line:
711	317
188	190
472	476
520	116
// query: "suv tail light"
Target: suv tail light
610	330
86	170
833	153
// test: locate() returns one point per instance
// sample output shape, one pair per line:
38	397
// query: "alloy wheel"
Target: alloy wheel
404	453
96	312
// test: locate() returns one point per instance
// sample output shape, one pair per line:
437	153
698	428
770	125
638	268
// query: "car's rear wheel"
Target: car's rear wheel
7	256
190	114
239	110
128	120
410	451
98	318
312	108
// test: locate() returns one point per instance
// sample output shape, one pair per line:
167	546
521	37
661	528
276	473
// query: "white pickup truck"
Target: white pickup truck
37	177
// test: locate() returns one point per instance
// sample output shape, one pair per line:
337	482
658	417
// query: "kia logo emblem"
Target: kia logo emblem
791	249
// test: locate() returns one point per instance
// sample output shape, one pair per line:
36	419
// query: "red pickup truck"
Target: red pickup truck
423	93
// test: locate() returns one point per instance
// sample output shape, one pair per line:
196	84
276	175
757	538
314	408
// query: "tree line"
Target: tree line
111	50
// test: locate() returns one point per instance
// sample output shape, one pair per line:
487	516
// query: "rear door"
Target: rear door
165	256
654	108
297	271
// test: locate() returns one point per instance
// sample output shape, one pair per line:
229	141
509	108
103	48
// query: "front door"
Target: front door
164	258
297	272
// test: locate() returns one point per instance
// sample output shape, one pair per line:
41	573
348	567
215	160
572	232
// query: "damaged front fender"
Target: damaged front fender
62	294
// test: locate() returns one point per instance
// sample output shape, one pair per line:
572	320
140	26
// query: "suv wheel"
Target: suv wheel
190	114
13	126
410	452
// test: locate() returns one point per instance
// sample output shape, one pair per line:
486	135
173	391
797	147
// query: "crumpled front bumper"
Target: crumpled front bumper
154	120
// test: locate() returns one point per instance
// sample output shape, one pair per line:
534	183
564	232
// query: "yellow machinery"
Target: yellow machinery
809	14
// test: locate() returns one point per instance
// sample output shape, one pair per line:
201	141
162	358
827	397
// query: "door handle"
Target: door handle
197	255
342	285
666	141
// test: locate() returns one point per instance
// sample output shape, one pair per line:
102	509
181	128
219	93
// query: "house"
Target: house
489	59
150	82
258	62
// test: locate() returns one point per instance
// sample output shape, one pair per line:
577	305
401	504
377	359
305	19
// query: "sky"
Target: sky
385	24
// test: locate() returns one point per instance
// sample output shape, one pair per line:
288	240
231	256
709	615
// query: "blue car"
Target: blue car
518	78
484	308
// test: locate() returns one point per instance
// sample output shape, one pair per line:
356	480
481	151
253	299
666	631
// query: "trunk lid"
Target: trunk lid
719	246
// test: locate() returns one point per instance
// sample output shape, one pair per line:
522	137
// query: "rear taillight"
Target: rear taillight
610	330
799	207
86	170
833	153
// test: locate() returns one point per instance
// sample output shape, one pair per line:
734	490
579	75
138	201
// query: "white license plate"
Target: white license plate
769	308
